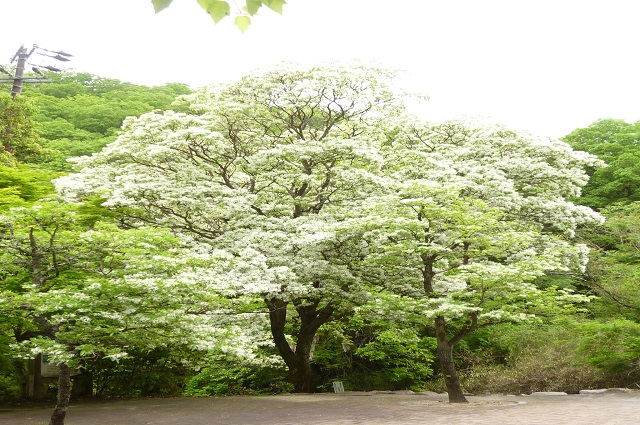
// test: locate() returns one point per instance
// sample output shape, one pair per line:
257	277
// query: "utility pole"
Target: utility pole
18	77
21	57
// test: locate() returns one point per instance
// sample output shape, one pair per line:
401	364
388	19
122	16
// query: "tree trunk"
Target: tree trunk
445	355
64	393
301	375
297	357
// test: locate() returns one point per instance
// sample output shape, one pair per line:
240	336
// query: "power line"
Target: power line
21	58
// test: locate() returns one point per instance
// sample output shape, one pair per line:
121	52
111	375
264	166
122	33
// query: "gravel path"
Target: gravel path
343	409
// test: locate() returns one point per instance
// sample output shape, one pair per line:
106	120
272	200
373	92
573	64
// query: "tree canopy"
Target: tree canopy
617	143
271	163
80	290
20	140
79	113
329	196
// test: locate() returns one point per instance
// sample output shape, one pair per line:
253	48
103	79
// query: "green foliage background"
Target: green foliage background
78	114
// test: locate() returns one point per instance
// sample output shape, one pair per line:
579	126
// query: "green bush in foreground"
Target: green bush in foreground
238	379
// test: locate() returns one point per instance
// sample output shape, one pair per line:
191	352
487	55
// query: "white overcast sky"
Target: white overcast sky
547	66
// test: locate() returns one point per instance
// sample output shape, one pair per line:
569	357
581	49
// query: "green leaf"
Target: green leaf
217	9
159	5
253	6
243	22
205	4
275	5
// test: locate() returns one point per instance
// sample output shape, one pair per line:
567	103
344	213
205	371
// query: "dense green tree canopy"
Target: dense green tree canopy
615	267
618	144
79	113
70	277
75	290
76	115
20	140
22	185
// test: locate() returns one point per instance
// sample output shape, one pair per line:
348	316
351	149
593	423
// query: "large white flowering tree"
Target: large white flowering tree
264	169
325	195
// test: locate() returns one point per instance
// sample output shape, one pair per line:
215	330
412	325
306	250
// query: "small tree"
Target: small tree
97	293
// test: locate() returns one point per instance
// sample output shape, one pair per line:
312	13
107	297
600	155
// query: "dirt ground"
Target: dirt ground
343	409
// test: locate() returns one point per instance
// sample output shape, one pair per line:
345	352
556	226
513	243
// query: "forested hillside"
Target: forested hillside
79	114
297	228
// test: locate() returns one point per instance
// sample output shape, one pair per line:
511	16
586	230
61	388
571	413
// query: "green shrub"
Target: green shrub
141	374
11	370
9	385
368	358
230	378
401	357
524	358
613	347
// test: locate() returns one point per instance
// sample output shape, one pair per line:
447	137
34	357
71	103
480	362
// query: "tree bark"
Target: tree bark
301	374
64	393
445	355
297	357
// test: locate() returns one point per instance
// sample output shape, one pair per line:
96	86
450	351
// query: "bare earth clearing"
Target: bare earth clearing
342	409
